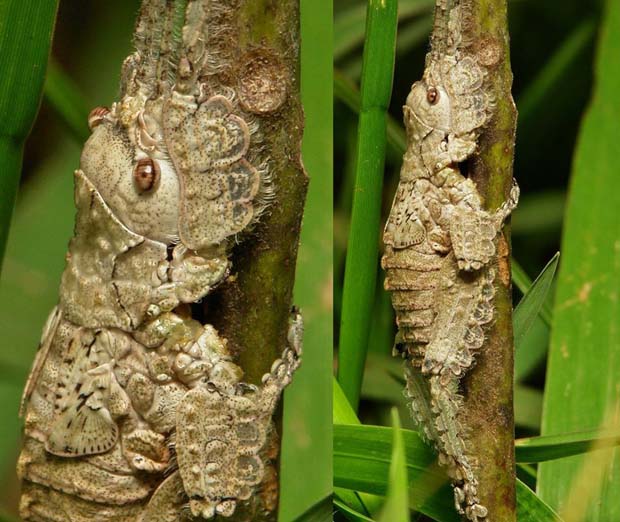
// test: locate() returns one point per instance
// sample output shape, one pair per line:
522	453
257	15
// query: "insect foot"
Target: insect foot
223	431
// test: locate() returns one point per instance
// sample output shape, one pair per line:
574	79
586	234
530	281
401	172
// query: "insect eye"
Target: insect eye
432	95
146	174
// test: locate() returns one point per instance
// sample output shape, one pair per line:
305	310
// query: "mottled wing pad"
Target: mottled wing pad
218	185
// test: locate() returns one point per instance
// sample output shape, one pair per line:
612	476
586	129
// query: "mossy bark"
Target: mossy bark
252	308
489	412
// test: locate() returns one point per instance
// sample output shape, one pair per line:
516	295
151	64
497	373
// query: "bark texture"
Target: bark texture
252	308
489	411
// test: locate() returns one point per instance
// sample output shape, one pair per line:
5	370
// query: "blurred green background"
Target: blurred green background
90	42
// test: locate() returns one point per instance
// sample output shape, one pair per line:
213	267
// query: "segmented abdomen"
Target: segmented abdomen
414	279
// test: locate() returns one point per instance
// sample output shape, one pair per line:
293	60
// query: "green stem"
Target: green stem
363	245
26	28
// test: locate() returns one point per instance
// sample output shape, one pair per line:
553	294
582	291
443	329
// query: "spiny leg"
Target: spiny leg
446	404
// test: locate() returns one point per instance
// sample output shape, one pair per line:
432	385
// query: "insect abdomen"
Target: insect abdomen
414	279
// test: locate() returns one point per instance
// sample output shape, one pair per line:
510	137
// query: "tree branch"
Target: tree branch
252	308
489	387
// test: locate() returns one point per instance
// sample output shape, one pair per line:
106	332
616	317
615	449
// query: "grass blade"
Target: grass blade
534	299
530	507
362	251
348	93
396	508
552	447
350	513
26	28
307	440
319	512
362	457
583	372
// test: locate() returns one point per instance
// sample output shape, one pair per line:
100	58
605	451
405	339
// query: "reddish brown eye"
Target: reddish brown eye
96	116
146	174
432	95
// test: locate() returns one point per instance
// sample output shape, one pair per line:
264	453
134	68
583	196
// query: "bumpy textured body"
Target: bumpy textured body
134	410
440	247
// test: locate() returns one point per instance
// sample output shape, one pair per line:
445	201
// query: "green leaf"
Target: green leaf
26	28
384	382
526	313
350	513
362	456
342	411
396	508
527	474
355	506
319	512
307	439
581	391
533	300
528	407
530	507
362	252
551	447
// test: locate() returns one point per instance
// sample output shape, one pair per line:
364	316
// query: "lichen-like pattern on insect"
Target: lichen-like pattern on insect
134	410
440	248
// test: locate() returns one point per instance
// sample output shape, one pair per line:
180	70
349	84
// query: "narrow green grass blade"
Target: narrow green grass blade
343	414
530	305
350	513
396	508
348	93
362	251
351	499
411	34
320	512
307	439
26	28
523	282
583	372
530	508
68	102
552	447
362	457
342	411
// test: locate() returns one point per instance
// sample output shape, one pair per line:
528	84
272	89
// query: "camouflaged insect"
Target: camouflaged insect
134	411
440	247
